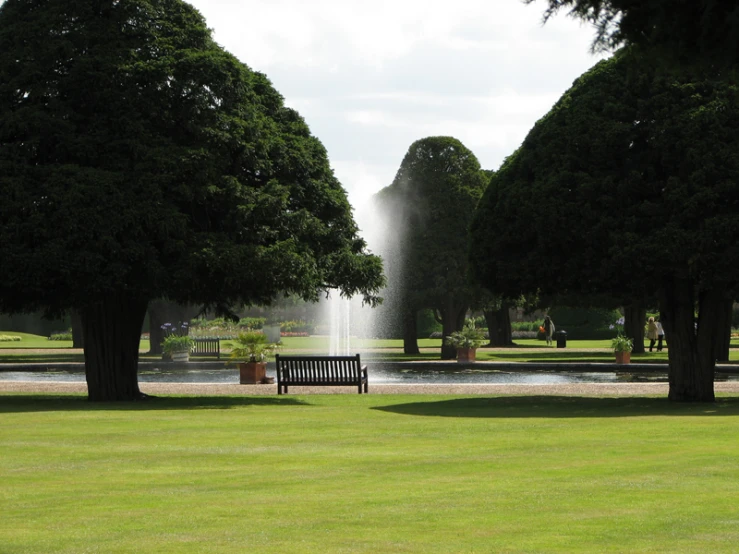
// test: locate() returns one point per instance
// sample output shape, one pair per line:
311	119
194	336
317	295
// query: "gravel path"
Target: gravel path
207	389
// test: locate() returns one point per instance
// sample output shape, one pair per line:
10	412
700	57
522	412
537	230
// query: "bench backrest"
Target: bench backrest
207	346
307	369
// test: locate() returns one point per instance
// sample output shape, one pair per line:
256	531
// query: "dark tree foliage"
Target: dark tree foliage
706	31
139	160
434	195
631	182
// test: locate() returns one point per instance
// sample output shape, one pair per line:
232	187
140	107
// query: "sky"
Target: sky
371	78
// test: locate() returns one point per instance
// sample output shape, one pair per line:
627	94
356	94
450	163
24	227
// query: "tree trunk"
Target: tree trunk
161	312
112	332
723	336
78	340
410	332
691	354
635	314
499	326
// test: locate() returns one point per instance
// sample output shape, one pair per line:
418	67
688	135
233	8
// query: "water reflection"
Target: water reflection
376	376
380	373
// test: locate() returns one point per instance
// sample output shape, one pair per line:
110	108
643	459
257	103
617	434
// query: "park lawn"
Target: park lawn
32	350
32	341
369	473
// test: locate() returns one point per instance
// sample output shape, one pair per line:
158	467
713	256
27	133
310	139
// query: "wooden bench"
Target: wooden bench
207	347
320	371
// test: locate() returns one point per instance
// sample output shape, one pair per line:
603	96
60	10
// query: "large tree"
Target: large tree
687	31
627	187
434	194
139	160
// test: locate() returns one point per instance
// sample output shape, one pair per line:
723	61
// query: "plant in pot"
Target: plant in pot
251	349
466	341
622	347
177	347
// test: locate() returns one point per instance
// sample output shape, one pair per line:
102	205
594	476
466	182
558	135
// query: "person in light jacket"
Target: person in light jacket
651	332
660	335
548	329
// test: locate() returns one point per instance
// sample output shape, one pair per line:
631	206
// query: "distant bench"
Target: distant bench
207	347
320	371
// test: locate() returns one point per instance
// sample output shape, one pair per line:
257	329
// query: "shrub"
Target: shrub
177	343
61	335
622	344
468	337
525	326
10	338
253	323
298	326
252	346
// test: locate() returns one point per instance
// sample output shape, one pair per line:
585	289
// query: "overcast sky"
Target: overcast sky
370	78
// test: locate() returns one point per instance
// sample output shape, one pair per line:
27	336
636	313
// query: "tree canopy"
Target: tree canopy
139	160
433	196
703	30
627	184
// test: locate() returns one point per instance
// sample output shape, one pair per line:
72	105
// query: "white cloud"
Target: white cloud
372	78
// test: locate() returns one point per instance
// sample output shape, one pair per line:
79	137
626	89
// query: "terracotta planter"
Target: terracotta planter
623	357
251	373
466	354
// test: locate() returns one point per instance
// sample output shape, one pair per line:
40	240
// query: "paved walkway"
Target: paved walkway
208	389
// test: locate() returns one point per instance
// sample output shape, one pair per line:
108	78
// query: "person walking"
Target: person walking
548	329
660	335
651	332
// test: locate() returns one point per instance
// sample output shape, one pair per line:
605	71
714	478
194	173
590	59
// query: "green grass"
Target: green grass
32	341
370	473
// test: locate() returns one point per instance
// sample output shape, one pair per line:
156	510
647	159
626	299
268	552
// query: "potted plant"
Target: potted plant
251	349
177	347
622	347
466	341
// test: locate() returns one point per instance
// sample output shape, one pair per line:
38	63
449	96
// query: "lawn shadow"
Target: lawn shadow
562	406
75	402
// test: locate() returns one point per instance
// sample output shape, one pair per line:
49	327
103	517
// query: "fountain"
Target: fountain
349	319
340	311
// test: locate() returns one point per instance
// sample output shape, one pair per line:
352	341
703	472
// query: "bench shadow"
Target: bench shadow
49	403
562	407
